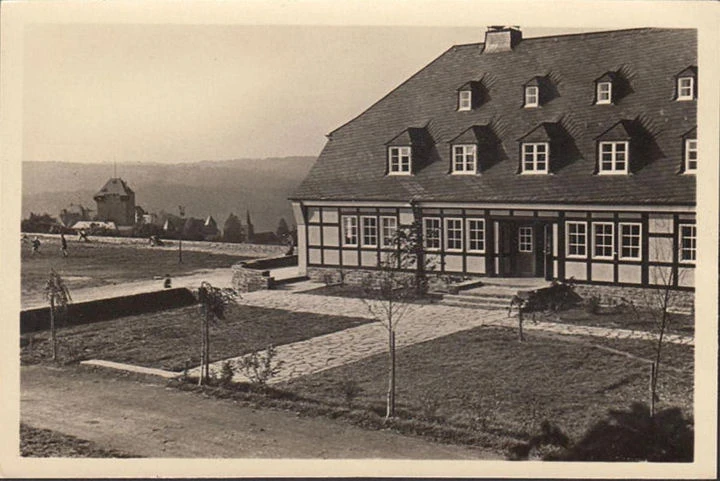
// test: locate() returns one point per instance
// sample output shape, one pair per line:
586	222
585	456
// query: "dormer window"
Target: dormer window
532	96
535	157
614	147
465	100
464	159
399	160
686	88
614	157
604	93
691	155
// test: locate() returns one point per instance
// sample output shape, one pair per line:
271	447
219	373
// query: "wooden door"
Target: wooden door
526	251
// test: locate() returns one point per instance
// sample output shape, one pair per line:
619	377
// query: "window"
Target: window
603	243
685	88
369	231
691	155
604	93
576	239
535	157
389	229
453	234
532	96
688	242
525	239
464	159
431	233
350	230
476	235
399	160
613	157
465	100
630	236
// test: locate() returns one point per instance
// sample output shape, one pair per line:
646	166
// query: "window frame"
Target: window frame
569	255
527	95
363	234
534	145
383	238
460	239
469	231
600	93
465	104
680	87
520	239
622	236
426	237
681	247
613	152
464	154
354	227
688	151
403	151
610	236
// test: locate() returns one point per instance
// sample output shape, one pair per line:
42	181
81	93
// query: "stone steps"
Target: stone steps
490	301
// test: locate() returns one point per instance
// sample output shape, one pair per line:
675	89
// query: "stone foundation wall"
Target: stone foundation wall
354	276
249	280
680	301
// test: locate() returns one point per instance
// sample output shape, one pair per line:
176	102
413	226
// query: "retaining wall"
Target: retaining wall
38	319
249	280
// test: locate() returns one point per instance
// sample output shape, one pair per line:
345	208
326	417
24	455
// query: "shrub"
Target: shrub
350	390
261	367
227	371
429	405
592	305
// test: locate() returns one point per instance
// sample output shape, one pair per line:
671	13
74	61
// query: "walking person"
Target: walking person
35	245
63	245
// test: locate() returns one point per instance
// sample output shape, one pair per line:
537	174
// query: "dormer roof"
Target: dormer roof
473	135
607	77
621	130
545	132
471	85
416	136
688	72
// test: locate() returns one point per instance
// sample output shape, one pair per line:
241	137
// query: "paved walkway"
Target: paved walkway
421	323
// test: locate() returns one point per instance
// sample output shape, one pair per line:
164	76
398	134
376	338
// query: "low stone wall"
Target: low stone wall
679	301
38	319
249	280
271	262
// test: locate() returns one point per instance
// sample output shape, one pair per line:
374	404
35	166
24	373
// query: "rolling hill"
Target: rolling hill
215	188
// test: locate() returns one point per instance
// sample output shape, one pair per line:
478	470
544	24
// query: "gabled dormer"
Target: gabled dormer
615	148
605	87
686	84
407	151
469	96
538	148
473	150
536	92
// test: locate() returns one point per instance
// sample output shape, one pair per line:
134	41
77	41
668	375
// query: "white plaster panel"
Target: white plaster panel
302	252
686	277
330	216
453	263
369	258
406	217
629	274
661	249
314	256
476	265
660	275
660	224
602	272
332	257
350	258
330	235
313	214
314	235
578	270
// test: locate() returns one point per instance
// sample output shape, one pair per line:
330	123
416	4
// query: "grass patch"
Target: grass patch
97	264
168	339
485	380
45	443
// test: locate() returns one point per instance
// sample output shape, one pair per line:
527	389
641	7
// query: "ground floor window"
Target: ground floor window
476	235
388	230
453	234
350	230
603	240
576	239
688	242
369	231
630	235
431	233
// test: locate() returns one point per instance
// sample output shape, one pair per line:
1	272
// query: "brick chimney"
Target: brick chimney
500	38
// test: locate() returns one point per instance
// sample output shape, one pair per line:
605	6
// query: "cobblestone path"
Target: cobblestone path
421	323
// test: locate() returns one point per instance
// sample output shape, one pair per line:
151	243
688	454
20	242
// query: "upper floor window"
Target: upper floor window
431	233
535	157
464	159
686	88
688	242
388	229
399	160
604	93
613	157
532	96
691	155
350	230
369	231
465	100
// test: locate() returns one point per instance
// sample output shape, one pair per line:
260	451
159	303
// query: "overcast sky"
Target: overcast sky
181	93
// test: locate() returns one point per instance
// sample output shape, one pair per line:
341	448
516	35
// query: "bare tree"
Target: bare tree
59	296
213	304
390	292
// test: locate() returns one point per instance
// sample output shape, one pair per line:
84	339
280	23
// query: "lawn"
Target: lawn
167	339
98	264
484	379
44	443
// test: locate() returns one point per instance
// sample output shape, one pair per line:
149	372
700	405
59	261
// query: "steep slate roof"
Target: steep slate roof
114	186
352	165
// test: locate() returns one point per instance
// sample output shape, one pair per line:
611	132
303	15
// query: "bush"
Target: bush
592	305
261	367
350	390
227	371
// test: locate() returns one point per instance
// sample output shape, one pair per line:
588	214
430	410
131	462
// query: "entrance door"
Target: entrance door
526	251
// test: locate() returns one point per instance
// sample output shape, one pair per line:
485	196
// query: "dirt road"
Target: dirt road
151	420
